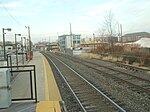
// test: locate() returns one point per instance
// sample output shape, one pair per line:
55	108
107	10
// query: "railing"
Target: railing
29	70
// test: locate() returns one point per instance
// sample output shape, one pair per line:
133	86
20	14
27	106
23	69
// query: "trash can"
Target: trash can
29	56
5	88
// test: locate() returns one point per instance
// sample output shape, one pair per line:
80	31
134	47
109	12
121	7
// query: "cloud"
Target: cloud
85	15
130	13
12	4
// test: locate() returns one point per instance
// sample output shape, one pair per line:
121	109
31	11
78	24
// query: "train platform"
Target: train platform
48	96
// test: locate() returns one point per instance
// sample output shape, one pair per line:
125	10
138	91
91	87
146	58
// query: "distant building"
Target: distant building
40	47
9	46
69	41
46	46
90	44
132	37
52	46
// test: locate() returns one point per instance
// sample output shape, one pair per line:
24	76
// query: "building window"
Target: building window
74	42
78	41
74	38
78	37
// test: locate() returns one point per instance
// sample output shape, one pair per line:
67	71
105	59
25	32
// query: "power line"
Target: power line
13	18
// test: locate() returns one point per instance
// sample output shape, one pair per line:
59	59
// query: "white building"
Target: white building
69	41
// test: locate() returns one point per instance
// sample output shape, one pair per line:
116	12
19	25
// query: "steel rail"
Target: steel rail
115	104
114	76
67	84
124	73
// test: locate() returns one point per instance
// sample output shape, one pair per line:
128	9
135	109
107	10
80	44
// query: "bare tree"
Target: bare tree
101	34
110	23
110	26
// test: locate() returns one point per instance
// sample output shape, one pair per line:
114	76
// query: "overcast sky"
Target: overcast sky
50	18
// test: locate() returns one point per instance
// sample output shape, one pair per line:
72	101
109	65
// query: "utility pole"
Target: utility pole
71	37
94	41
70	29
121	33
119	39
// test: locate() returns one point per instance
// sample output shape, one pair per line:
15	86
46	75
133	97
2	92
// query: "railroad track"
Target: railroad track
88	96
133	82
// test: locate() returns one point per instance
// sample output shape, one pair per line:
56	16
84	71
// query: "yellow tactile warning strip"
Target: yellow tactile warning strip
52	95
50	83
48	106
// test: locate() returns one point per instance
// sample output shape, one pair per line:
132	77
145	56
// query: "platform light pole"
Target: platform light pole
25	47
25	43
28	27
22	49
16	47
3	29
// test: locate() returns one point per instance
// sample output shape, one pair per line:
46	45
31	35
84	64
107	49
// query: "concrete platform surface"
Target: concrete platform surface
48	95
21	87
21	107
